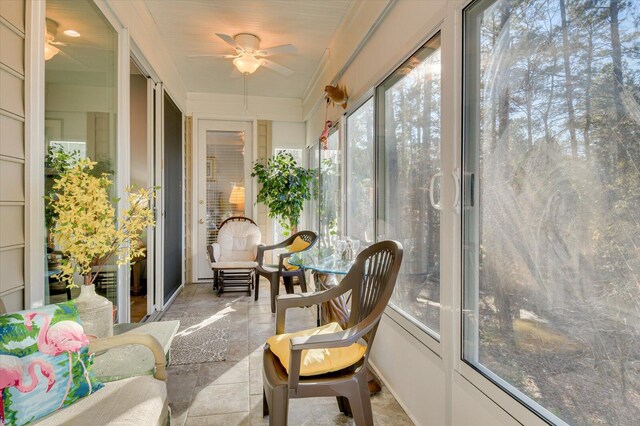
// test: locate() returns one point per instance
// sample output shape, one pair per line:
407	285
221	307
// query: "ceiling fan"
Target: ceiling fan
50	43
249	57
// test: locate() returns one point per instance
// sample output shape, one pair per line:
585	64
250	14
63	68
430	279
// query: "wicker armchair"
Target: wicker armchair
233	256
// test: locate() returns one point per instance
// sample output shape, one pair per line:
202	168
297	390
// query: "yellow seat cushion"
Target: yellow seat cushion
297	245
317	361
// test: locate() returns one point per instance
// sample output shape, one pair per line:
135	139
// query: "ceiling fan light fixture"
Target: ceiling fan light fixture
50	51
71	33
246	63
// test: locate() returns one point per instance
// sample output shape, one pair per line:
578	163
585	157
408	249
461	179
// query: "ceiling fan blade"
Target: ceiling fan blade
213	56
276	67
235	73
229	40
58	43
277	50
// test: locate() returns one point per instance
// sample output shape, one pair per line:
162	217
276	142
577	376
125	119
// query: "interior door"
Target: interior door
225	153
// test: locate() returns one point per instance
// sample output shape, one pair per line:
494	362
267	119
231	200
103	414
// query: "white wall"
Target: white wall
287	134
427	377
219	106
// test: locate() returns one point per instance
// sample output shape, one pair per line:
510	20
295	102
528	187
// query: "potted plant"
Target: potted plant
284	188
87	232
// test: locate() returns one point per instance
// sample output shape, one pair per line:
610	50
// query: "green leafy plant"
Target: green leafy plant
285	187
56	162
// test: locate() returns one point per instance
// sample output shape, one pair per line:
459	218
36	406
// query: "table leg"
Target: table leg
335	310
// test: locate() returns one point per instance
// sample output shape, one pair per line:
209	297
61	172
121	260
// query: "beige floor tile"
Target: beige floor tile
255	359
222	373
255	382
231	419
259	309
262	318
220	399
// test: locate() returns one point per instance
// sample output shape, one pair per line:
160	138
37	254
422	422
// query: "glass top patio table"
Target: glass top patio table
321	260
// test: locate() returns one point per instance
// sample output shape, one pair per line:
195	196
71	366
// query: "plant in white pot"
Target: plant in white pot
87	232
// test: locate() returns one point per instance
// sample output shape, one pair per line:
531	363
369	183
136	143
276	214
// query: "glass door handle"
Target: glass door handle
431	185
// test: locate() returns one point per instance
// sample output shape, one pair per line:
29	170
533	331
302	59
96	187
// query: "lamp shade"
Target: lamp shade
246	63
237	197
50	51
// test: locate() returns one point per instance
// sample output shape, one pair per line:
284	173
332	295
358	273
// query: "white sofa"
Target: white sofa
134	401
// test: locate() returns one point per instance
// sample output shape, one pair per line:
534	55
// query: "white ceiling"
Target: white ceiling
188	27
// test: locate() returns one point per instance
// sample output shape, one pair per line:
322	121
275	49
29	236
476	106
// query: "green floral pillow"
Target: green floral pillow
44	362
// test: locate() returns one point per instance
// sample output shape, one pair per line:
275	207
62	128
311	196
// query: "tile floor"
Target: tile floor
230	392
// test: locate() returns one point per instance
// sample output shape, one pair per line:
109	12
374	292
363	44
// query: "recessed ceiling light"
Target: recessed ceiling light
72	33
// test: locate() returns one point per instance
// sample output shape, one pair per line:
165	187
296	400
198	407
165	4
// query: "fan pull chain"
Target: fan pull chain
245	91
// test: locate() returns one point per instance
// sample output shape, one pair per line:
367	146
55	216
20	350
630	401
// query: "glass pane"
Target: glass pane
314	163
330	195
225	179
80	113
551	225
360	178
410	124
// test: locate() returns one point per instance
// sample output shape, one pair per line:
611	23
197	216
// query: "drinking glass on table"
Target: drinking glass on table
341	246
355	246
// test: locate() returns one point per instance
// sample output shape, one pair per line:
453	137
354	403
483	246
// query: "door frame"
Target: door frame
199	151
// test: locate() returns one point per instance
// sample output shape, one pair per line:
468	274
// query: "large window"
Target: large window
409	125
329	199
552	194
359	172
313	153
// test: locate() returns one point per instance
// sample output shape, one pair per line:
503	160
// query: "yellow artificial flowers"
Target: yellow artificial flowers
86	230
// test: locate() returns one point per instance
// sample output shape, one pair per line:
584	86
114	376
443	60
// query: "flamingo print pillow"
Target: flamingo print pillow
44	362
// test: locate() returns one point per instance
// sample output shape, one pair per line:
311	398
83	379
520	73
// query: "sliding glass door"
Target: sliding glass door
551	195
80	116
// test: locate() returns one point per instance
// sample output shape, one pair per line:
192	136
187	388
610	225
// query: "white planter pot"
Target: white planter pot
96	312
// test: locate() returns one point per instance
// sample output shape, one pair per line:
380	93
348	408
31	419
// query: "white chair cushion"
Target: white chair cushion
238	256
238	241
136	401
234	265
